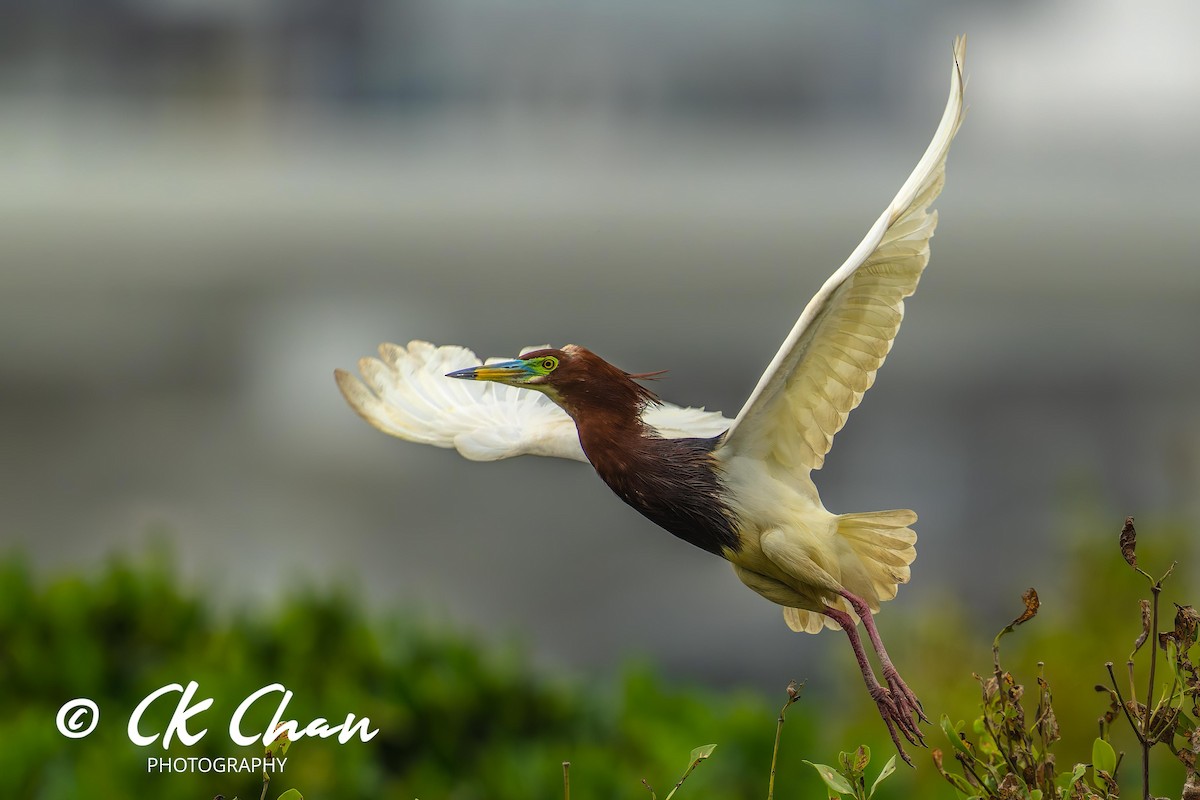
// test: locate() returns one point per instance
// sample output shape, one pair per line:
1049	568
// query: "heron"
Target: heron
741	489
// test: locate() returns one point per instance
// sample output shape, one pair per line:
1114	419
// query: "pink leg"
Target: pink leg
882	697
906	702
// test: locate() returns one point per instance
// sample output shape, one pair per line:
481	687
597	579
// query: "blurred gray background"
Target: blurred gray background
207	205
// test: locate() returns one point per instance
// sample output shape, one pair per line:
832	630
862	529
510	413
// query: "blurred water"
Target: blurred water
206	208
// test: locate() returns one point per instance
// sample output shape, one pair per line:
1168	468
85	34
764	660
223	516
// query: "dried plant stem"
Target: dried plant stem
566	780
1002	696
1155	591
969	767
1006	752
1143	732
1124	706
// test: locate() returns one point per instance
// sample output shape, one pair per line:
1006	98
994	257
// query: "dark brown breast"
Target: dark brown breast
672	482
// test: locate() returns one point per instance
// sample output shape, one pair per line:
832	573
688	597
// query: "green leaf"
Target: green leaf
862	757
1173	660
832	779
291	794
888	769
960	784
279	746
702	752
1066	781
1103	758
951	732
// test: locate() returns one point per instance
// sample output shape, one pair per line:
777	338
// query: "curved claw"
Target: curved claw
892	718
906	702
895	710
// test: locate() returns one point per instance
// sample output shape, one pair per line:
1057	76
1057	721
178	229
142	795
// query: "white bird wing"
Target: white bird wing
680	422
844	334
405	393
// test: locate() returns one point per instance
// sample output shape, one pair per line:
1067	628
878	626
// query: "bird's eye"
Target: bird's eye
549	364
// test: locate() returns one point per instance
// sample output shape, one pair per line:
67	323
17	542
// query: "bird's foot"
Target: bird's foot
906	702
891	718
898	721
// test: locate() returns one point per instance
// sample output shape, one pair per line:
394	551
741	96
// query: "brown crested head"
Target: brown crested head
575	378
581	381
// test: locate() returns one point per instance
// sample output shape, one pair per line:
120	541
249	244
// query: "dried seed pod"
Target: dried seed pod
1187	620
1032	603
1129	543
1141	640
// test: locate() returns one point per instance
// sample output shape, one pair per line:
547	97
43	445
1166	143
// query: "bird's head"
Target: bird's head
571	377
538	369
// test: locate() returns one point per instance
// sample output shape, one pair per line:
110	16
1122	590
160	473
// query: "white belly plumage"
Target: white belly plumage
799	555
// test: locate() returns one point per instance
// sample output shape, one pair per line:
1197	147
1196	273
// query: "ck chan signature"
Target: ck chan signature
78	718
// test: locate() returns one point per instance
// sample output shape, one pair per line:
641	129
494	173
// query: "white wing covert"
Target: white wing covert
405	393
830	358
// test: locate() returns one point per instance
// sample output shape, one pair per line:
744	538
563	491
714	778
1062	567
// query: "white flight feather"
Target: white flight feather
794	551
405	393
845	332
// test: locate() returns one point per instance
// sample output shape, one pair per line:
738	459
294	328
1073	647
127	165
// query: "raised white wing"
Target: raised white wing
405	393
844	334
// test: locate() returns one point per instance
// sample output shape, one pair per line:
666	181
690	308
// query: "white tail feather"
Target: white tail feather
883	543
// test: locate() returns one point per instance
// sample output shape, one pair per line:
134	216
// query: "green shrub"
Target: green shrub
460	719
455	718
